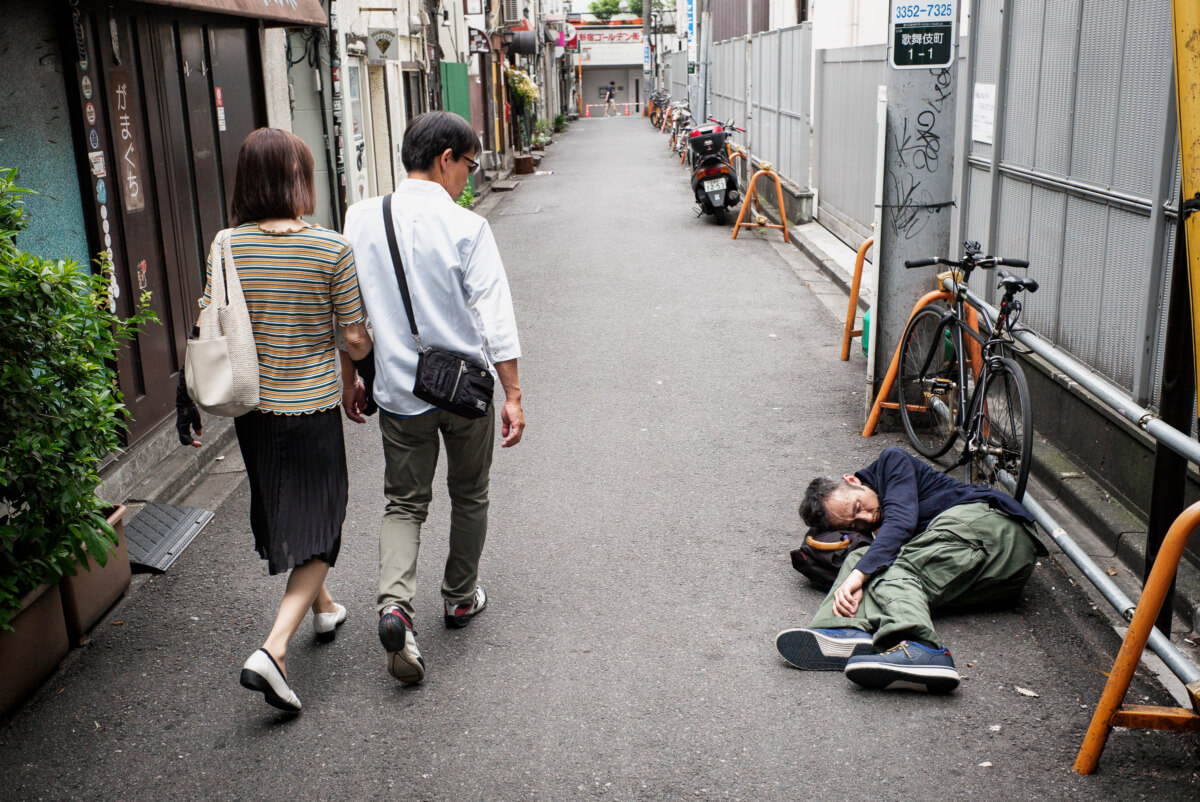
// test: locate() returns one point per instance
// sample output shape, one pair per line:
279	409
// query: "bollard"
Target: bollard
752	193
626	109
1111	710
587	110
850	332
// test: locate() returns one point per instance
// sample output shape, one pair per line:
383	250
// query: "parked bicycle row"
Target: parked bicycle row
708	150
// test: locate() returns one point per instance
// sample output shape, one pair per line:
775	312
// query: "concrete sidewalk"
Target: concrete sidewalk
681	389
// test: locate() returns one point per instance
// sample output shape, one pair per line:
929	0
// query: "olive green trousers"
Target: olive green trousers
969	555
410	451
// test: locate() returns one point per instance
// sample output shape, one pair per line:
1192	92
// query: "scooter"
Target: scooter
714	182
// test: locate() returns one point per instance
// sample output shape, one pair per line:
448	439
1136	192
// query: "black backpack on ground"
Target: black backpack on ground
821	555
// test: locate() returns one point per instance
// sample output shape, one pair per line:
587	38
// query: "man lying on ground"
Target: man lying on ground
939	543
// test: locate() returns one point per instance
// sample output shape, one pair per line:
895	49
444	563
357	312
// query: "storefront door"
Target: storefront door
166	97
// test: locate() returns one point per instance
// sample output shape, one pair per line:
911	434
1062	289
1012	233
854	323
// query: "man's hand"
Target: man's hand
512	419
354	400
848	594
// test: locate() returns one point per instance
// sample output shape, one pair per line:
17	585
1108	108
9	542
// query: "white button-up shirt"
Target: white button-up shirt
455	277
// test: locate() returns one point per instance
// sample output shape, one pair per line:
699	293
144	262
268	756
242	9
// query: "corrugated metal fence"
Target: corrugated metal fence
846	84
780	99
1078	172
679	83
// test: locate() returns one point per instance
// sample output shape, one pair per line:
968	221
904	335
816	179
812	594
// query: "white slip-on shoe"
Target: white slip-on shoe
325	624
261	673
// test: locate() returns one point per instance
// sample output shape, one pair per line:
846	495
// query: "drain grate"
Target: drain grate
160	533
520	210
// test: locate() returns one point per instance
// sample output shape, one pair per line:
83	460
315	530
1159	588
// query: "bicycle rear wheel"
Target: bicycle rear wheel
927	382
1005	428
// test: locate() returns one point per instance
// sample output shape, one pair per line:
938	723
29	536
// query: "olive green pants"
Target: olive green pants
969	555
410	451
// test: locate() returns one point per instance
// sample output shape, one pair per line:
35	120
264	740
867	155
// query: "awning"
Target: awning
289	13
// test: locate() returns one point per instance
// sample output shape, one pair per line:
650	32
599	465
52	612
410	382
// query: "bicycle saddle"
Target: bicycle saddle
1016	283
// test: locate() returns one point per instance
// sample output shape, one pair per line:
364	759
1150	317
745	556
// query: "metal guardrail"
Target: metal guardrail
1144	418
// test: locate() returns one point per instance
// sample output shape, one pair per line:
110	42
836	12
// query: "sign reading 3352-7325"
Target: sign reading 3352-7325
922	34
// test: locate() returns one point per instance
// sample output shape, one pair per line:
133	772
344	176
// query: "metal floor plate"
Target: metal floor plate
160	533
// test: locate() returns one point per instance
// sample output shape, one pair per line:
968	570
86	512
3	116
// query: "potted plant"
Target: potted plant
60	415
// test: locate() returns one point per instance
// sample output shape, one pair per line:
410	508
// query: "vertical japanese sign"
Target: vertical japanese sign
691	30
646	59
129	151
922	34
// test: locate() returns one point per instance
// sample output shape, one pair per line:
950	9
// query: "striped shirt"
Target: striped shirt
296	285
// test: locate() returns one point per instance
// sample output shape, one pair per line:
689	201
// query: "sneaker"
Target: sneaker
909	665
397	635
458	616
822	649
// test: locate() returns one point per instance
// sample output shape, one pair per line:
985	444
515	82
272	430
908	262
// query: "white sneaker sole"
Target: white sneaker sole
405	668
888	677
811	651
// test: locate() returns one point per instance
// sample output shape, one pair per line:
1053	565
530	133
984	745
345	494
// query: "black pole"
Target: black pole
1175	408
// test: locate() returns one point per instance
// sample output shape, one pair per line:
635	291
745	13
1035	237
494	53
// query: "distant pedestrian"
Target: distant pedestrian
299	283
610	98
460	300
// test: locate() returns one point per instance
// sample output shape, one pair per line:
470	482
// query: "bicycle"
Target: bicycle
986	403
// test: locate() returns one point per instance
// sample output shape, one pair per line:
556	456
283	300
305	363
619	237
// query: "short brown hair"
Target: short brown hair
274	177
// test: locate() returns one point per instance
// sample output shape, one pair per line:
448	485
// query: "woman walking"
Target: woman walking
299	283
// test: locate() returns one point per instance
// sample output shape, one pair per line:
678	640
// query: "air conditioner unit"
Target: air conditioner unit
512	12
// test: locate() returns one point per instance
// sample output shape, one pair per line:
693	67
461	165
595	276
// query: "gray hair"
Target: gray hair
812	508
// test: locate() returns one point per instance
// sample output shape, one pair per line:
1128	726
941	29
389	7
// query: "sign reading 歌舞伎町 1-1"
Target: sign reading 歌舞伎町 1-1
922	34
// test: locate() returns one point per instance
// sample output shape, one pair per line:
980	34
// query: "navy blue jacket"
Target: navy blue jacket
911	494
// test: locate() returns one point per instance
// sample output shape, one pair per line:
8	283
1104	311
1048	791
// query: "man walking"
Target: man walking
460	301
610	98
939	543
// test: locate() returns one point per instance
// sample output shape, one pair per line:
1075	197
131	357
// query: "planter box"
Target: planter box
87	596
34	648
523	164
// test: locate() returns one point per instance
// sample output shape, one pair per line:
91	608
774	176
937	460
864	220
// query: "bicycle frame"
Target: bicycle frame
984	353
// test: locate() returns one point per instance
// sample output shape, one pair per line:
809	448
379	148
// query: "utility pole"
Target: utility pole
647	62
918	168
749	124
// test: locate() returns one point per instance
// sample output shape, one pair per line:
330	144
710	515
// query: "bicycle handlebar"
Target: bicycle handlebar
731	126
983	261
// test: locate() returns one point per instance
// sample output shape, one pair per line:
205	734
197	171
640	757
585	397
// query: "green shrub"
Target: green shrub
542	126
467	198
60	412
560	123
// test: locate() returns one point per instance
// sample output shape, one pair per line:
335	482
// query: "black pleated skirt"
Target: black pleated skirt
296	465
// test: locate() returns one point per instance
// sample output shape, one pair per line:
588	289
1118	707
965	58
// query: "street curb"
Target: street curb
823	261
173	476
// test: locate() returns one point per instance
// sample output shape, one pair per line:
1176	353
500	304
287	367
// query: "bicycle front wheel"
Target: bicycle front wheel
1005	432
928	382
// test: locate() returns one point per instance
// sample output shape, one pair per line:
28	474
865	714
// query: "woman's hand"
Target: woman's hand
187	416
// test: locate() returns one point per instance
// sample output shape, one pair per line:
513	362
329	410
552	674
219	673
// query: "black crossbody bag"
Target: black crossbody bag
445	379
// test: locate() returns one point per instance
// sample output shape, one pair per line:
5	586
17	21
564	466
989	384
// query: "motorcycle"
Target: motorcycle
714	183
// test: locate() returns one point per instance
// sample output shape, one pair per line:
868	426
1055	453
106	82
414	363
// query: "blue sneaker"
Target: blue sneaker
909	665
822	649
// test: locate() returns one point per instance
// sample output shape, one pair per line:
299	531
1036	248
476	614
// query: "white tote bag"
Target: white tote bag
222	364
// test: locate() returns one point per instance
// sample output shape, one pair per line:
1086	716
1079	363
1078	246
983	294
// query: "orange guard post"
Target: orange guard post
752	193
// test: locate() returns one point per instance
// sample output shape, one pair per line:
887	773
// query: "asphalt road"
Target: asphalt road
681	389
